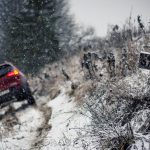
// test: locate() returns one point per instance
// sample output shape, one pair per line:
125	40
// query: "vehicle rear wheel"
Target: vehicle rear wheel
27	94
30	99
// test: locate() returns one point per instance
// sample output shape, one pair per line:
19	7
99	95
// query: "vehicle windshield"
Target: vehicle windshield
4	69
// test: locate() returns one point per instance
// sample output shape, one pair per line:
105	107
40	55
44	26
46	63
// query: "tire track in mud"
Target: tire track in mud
44	128
9	119
23	118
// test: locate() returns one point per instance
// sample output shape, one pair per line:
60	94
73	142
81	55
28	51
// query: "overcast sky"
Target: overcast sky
100	13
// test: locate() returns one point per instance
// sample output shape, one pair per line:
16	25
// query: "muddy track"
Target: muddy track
42	131
13	116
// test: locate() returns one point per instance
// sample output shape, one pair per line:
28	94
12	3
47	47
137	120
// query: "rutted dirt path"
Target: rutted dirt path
42	131
23	126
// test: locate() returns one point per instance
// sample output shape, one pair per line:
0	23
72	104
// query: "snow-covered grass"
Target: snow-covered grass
142	142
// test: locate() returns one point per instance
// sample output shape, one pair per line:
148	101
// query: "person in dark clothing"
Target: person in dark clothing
87	63
111	64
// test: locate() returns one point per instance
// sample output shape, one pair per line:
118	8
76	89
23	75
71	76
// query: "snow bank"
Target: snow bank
141	141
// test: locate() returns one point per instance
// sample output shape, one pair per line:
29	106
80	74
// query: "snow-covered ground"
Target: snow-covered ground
18	130
30	130
66	121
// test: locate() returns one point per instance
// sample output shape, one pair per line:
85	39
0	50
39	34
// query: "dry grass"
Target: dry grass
81	91
51	79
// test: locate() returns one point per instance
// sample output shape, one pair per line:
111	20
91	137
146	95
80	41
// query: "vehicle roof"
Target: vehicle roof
6	64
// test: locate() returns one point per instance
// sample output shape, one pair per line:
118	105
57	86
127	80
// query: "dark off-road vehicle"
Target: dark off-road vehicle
14	85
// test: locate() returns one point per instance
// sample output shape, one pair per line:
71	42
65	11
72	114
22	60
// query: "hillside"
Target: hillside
75	111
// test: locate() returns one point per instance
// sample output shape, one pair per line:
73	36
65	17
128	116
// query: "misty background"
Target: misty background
101	13
35	33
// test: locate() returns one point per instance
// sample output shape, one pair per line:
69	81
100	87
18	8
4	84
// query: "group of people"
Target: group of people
89	63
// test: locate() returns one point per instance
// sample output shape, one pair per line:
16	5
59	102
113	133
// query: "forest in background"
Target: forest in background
35	33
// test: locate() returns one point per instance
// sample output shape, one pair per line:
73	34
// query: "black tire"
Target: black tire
31	100
28	96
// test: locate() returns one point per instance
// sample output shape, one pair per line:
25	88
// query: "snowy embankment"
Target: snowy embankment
142	141
137	86
67	120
